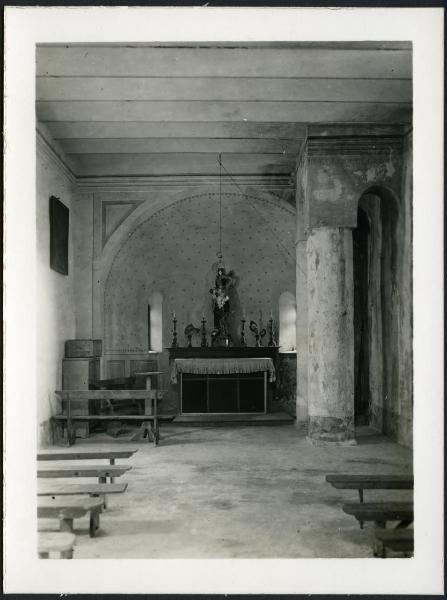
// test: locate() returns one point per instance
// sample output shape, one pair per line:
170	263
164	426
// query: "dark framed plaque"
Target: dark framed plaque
59	222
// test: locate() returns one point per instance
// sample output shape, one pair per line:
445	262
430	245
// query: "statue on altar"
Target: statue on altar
221	304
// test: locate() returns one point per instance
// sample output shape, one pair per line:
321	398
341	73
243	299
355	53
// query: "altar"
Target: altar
223	380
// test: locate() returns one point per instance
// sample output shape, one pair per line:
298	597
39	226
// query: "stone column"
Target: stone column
301	335
330	306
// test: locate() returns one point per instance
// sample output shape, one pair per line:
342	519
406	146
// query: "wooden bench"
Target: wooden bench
60	542
94	490
399	540
370	482
67	509
381	512
149	420
84	470
110	455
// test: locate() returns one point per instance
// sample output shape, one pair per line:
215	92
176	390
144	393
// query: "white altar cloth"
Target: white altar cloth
222	366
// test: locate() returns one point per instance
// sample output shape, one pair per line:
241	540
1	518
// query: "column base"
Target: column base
331	429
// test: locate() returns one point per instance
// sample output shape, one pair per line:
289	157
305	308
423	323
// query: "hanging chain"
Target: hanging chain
220	205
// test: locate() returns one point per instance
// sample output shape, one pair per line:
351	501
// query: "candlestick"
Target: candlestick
243	342
204	343
174	333
271	342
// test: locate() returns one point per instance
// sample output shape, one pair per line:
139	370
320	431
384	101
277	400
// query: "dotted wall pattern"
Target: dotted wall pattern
174	252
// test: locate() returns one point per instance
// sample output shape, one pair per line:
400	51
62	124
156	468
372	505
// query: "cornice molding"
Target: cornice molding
44	146
354	130
181	181
353	146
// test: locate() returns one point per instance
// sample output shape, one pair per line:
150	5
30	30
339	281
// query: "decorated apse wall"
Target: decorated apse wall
174	252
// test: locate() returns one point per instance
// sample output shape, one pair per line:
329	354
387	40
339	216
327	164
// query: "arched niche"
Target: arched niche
172	251
287	322
155	322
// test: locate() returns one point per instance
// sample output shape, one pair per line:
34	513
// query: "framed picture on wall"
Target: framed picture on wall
59	221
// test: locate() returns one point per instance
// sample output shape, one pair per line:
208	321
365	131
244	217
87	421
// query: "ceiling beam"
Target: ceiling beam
210	62
182	145
310	112
221	89
114	129
179	164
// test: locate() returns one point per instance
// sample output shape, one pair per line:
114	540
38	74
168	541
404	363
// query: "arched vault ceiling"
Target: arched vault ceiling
165	110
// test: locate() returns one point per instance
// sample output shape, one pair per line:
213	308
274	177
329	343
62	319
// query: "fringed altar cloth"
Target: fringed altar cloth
222	366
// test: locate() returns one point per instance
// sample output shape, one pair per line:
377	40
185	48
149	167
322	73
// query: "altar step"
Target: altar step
223	420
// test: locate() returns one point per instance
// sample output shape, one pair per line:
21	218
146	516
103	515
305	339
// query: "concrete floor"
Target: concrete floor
240	492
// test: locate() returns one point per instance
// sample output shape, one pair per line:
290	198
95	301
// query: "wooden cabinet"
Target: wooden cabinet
79	373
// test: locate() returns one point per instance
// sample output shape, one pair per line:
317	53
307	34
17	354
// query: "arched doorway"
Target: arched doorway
375	309
361	240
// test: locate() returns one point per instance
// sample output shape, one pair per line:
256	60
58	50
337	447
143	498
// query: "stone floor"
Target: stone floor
238	492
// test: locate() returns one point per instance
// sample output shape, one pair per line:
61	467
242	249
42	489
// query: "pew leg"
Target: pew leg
94	523
67	553
112	462
156	432
104	498
66	525
149	433
103	480
44	555
142	433
378	550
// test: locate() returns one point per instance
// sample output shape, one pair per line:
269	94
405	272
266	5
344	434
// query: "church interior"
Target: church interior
224	308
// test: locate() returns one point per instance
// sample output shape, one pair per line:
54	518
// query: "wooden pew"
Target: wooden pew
83	470
92	489
72	489
370	482
149	420
60	542
69	508
399	540
381	512
110	455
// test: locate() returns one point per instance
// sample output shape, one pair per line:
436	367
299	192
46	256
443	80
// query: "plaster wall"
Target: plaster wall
398	402
55	292
83	240
340	170
172	248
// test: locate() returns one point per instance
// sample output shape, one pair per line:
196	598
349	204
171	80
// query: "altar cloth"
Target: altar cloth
222	366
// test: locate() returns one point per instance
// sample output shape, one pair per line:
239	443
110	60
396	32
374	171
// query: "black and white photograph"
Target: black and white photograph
222	331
